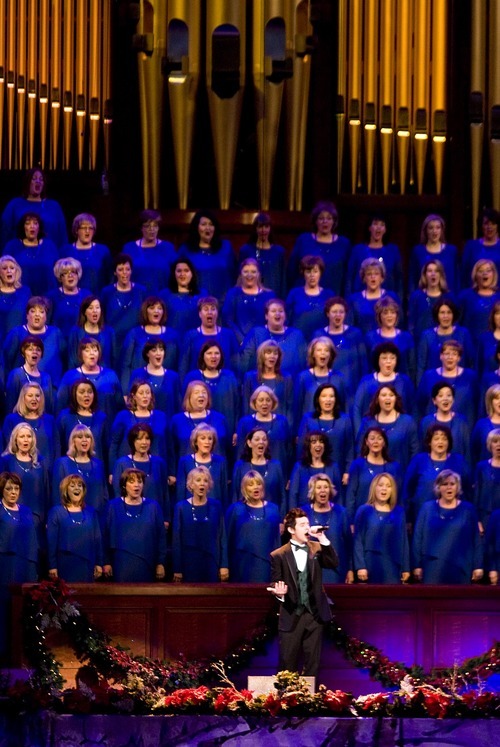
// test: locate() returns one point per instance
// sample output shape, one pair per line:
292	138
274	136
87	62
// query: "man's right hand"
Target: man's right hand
279	589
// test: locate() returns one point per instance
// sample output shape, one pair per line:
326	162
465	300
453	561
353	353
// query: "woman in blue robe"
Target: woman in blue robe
208	331
122	300
476	303
432	288
386	410
182	295
486	247
327	418
270	256
381	550
141	409
74	540
34	199
153	318
320	359
94	258
90	323
13	295
488	344
196	409
253	532
433	245
54	344
244	305
291	341
269	373
447	546
373	460
212	256
443	399
322	510
66	300
35	254
156	485
322	242
203	442
135	544
222	382
199	545
463	380
152	257
362	304
84	410
165	384
30	409
349	343
425	466
445	328
264	404
484	426
487	481
385	362
256	457
305	305
387	315
21	457
18	549
80	459
105	380
32	350
316	458
389	254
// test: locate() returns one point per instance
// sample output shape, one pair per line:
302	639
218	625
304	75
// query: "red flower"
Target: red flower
272	704
336	700
436	703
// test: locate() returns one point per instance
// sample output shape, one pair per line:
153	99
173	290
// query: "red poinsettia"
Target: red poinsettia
336	700
229	699
190	696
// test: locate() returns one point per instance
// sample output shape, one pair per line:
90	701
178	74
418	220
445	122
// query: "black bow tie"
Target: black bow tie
300	547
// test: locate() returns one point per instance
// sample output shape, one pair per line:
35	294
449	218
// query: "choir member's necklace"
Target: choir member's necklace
14	515
136	505
256	513
24	469
72	514
199	515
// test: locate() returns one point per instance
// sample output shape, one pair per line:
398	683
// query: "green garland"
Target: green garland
137	681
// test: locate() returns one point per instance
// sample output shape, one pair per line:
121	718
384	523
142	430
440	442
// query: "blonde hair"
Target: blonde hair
189	390
12	447
20	406
263	390
82	430
394	489
250	478
475	271
199	471
18	271
323	340
493	392
311	485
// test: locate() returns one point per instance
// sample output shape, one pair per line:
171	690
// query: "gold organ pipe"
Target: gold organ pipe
478	95
43	77
403	78
387	26
2	74
438	87
421	76
296	97
55	69
370	97
267	95
94	87
341	87
68	78
106	79
21	80
154	29
182	84
354	95
494	99
31	84
225	109
11	77
81	76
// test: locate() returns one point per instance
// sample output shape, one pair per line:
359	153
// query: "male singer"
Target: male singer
297	577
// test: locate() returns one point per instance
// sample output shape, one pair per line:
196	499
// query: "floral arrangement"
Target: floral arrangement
113	681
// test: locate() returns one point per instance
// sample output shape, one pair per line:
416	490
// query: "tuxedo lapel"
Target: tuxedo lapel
292	565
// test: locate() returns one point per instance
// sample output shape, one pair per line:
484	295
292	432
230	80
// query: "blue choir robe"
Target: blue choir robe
225	393
134	540
460	432
47	435
474	250
199	544
381	544
96	265
486	491
339	534
92	473
389	254
420	306
155	483
218	470
362	310
54	356
447	544
292	344
122	424
74	543
107	383
420	476
166	389
50	211
306	384
194	340
351	360
271	265
37	264
429	349
122	308
17	378
334	254
215	269
105	337
278	433
252	534
131	357
361	474
404	343
466	386
13	309
338	432
274	482
299	479
151	263
282	387
35	491
182	425
18	546
242	311
306	312
448	257
492	543
475	311
402	436
182	309
65	308
370	384
97	423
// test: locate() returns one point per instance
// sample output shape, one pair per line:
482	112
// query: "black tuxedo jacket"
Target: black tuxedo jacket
284	568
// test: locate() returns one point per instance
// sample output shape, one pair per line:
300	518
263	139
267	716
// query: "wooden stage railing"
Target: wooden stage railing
434	626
